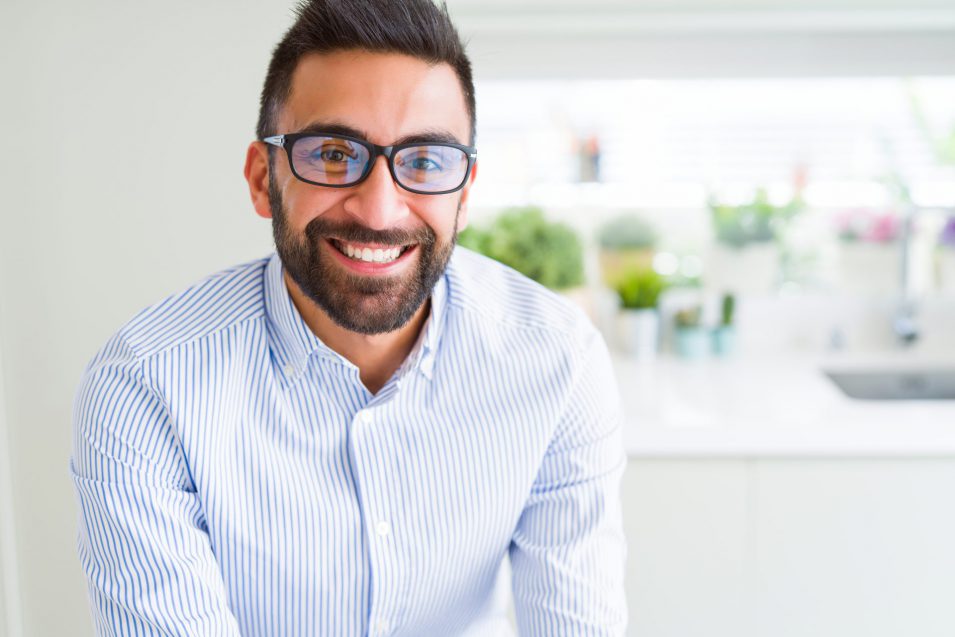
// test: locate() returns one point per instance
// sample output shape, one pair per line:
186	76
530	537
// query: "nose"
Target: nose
377	202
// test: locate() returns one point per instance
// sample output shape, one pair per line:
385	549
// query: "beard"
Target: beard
359	303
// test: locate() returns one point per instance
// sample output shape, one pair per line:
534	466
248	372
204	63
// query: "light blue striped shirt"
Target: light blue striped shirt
235	477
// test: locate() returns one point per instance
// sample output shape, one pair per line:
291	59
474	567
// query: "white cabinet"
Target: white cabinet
686	532
790	547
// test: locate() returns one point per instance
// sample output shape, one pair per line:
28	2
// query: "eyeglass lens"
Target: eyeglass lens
335	161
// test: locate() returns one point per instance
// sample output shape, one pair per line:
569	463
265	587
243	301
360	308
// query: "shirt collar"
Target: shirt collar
423	354
293	342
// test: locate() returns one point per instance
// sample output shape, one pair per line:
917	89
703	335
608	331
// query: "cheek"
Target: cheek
301	205
440	217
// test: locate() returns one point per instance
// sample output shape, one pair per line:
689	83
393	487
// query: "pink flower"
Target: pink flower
862	224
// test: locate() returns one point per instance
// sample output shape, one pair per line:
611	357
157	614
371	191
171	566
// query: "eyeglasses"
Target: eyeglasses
339	161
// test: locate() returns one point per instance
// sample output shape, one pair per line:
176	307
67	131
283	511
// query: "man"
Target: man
348	437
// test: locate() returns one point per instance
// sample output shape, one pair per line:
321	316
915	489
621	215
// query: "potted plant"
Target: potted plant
523	238
753	222
746	252
548	252
868	254
691	336
724	334
639	290
626	244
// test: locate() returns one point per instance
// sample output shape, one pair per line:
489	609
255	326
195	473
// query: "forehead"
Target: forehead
386	95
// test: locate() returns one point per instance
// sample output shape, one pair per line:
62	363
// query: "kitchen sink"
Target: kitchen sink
896	384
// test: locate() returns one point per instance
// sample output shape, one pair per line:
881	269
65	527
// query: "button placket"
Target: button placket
377	512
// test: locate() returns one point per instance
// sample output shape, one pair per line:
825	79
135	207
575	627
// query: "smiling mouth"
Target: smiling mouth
369	253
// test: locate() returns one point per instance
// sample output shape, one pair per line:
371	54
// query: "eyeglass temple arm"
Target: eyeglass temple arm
275	140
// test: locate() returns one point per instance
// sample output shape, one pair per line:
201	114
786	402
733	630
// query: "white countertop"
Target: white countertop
779	405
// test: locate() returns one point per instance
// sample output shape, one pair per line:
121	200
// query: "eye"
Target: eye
424	164
332	154
421	162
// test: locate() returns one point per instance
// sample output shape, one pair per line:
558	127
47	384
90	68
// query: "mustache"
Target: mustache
320	228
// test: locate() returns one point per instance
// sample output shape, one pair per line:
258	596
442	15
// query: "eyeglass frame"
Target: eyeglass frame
287	140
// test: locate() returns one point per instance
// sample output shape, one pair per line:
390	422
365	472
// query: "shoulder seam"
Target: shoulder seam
568	324
145	355
517	323
131	328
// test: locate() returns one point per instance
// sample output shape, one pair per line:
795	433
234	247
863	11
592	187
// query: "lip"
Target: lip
377	269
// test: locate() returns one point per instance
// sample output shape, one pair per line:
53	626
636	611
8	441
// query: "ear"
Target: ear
463	201
257	176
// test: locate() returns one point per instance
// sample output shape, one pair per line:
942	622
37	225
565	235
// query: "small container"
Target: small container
640	332
692	342
723	340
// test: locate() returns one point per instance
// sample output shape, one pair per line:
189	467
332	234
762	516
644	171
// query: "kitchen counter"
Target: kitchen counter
771	406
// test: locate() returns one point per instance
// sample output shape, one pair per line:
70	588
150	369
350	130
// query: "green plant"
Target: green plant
728	308
754	222
522	238
474	238
627	231
640	289
689	317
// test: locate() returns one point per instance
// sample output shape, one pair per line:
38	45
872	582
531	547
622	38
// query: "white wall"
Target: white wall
124	133
708	38
10	623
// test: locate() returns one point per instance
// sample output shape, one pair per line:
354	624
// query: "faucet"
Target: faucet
904	324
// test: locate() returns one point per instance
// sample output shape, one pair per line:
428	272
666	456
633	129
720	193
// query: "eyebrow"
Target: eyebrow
436	135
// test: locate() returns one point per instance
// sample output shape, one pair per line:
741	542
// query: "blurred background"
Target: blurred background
754	201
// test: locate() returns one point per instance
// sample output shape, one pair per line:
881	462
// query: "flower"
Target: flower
947	237
868	226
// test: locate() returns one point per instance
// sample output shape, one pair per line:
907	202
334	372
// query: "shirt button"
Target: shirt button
289	370
365	417
383	528
381	627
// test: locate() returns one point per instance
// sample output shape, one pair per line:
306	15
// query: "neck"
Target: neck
377	356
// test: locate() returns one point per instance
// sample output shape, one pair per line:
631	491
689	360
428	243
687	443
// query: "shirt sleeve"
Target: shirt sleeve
568	550
143	541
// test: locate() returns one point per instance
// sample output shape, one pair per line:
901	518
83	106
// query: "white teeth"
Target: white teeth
377	255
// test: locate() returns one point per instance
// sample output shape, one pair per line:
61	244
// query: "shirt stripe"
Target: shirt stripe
235	477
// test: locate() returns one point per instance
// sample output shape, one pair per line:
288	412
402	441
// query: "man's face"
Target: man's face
384	98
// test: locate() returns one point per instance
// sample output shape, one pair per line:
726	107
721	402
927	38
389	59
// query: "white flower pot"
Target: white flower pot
639	332
752	270
869	269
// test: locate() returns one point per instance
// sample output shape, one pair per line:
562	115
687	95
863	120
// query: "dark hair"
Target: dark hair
418	28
